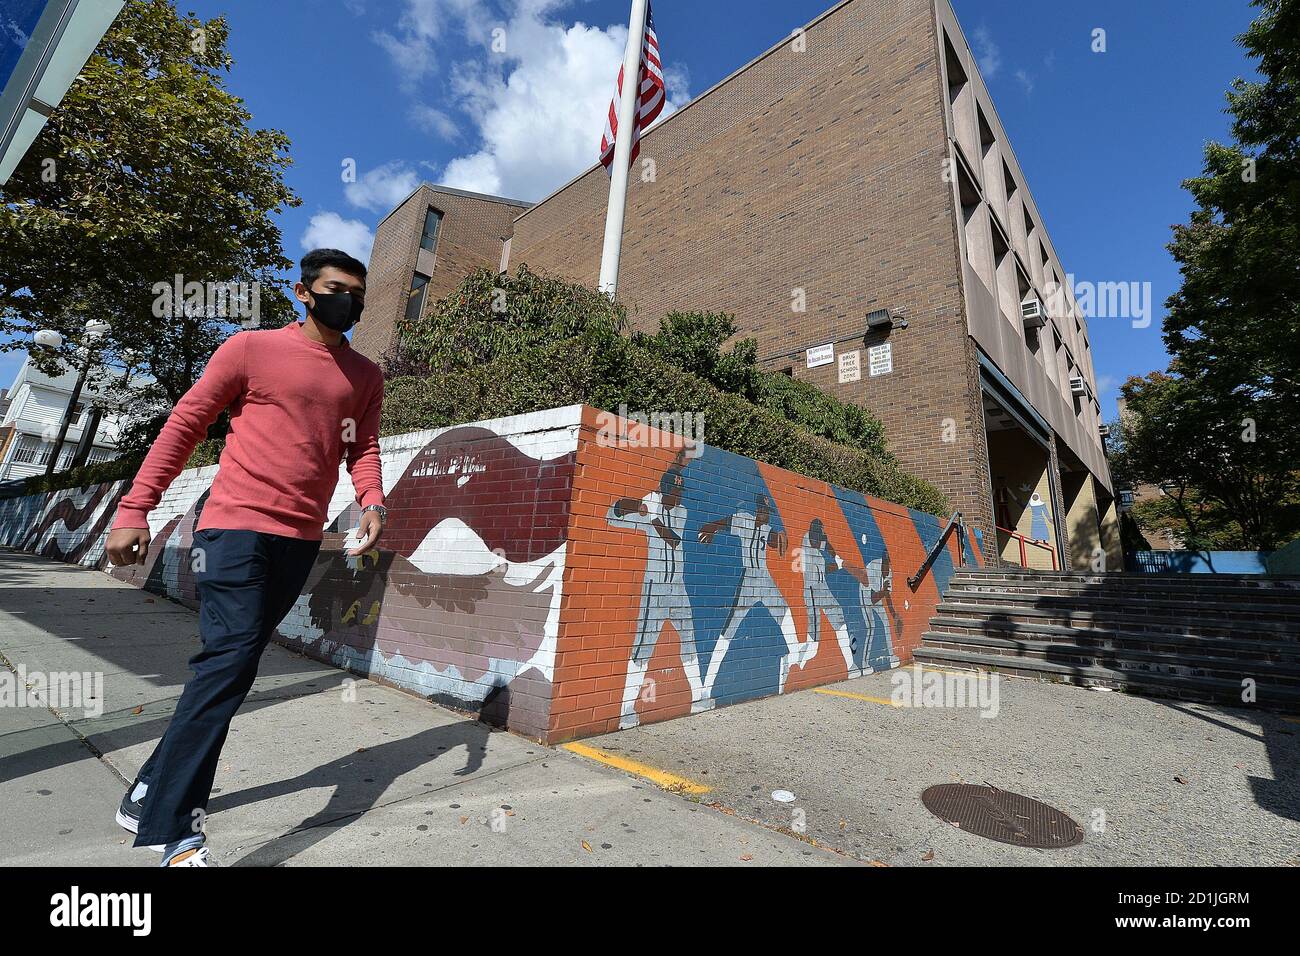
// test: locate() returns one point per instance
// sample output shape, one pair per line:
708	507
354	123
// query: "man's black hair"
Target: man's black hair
318	259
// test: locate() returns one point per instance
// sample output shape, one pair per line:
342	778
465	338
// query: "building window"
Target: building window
415	298
31	451
432	223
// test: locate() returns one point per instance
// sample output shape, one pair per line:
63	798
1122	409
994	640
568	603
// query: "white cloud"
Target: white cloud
329	230
433	120
987	52
382	188
538	106
423	22
1025	81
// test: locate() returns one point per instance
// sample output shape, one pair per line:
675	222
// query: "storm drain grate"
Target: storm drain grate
1003	816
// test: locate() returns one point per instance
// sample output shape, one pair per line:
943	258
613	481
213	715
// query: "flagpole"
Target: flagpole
627	120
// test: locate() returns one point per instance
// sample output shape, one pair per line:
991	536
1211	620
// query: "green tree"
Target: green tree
147	170
1222	488
1223	423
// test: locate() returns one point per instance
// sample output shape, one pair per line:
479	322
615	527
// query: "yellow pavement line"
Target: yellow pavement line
660	778
1292	720
845	693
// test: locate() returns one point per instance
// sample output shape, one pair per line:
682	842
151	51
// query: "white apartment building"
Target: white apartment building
30	423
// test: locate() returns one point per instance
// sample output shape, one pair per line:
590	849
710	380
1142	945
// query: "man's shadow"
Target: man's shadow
360	780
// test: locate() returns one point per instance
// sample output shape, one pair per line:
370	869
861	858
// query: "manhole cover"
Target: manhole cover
1003	816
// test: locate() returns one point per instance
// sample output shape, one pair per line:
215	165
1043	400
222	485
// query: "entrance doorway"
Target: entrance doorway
1023	487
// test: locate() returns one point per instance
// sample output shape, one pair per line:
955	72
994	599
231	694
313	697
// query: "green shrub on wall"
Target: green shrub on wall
105	471
578	371
205	453
493	351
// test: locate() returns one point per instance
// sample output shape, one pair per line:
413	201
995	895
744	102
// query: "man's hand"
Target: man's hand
127	546
372	526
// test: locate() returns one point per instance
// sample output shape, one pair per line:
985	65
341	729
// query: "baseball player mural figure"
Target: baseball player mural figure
819	559
756	587
878	597
661	516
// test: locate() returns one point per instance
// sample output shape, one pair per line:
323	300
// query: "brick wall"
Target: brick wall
468	239
459	604
816	169
763	557
519	579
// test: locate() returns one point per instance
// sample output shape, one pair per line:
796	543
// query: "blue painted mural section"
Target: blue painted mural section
875	651
726	577
1199	562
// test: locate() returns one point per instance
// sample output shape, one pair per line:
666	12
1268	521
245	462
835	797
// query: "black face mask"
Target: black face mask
337	310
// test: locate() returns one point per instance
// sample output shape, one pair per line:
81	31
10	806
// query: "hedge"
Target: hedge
608	373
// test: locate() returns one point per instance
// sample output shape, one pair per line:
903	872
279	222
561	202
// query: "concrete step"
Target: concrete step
1232	648
1289	597
1123	658
1249	582
1269	696
1139	604
1124	618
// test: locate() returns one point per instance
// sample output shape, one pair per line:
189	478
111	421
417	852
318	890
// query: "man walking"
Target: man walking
302	401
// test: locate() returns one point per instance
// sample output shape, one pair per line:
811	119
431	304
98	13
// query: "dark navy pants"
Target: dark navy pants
247	583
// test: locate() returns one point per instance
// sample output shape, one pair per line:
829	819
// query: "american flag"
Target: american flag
653	95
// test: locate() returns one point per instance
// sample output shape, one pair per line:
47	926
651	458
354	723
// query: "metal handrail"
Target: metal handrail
1024	558
956	521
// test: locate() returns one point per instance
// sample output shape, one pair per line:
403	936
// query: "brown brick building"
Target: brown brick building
852	197
423	249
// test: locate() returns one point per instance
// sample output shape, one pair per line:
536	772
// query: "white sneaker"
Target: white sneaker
198	856
128	816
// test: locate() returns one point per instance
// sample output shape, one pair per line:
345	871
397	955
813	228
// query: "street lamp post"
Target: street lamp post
95	330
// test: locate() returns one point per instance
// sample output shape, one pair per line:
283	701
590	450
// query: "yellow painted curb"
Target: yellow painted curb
660	778
845	693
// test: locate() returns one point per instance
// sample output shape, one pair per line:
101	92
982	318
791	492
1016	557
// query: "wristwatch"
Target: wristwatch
382	511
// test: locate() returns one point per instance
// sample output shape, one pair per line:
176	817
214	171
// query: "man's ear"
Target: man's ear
301	292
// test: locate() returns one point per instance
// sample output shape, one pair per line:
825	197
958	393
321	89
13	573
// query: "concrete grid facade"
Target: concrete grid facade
854	167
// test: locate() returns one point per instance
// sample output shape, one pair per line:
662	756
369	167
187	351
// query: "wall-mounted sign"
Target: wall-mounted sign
821	355
880	359
850	367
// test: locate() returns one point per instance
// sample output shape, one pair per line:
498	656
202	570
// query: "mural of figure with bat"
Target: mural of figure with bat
756	588
661	516
861	629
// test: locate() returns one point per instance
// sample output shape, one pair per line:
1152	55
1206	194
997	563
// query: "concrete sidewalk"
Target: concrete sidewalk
319	769
323	769
1152	782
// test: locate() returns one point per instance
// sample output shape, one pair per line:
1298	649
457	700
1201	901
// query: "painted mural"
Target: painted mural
461	600
706	579
65	525
562	586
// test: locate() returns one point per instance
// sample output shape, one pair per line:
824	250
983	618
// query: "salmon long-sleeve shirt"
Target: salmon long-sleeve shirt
299	408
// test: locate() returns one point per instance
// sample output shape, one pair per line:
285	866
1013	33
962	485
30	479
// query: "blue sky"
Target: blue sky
411	89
